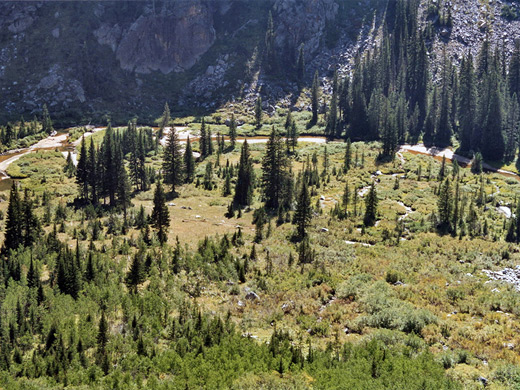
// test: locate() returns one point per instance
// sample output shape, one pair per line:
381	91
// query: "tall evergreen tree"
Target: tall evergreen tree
443	128
233	131
258	112
302	216
13	226
189	162
348	156
30	222
275	166
466	103
92	172
109	166
173	163
244	184
444	206
493	145
514	72
371	207
82	170
203	140
136	272
165	121
332	117
47	126
160	213
315	99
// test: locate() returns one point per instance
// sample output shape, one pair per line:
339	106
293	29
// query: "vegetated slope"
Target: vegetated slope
85	59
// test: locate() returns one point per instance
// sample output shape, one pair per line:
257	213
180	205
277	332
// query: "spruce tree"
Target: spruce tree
30	222
233	131
332	116
173	164
444	207
275	166
466	103
160	213
493	145
244	185
109	166
165	121
371	207
82	171
189	162
315	97
136	273
203	140
348	156
13	227
47	126
430	121
258	112
92	172
443	128
102	336
302	216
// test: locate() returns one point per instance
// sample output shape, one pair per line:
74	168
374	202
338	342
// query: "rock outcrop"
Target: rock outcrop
171	41
303	22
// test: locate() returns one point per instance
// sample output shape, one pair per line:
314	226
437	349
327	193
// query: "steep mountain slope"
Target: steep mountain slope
89	59
86	59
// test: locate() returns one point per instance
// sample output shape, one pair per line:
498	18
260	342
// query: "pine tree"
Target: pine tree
90	271
302	216
274	171
444	206
165	121
430	121
292	138
160	213
315	97
102	336
33	278
348	156
13	226
466	103
371	207
258	112
233	131
514	72
82	170
493	145
124	189
332	116
443	128
47	126
244	185
108	160
136	272
203	140
189	162
226	190
30	222
173	164
92	172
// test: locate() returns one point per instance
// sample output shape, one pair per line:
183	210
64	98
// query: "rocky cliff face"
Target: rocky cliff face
87	59
169	41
